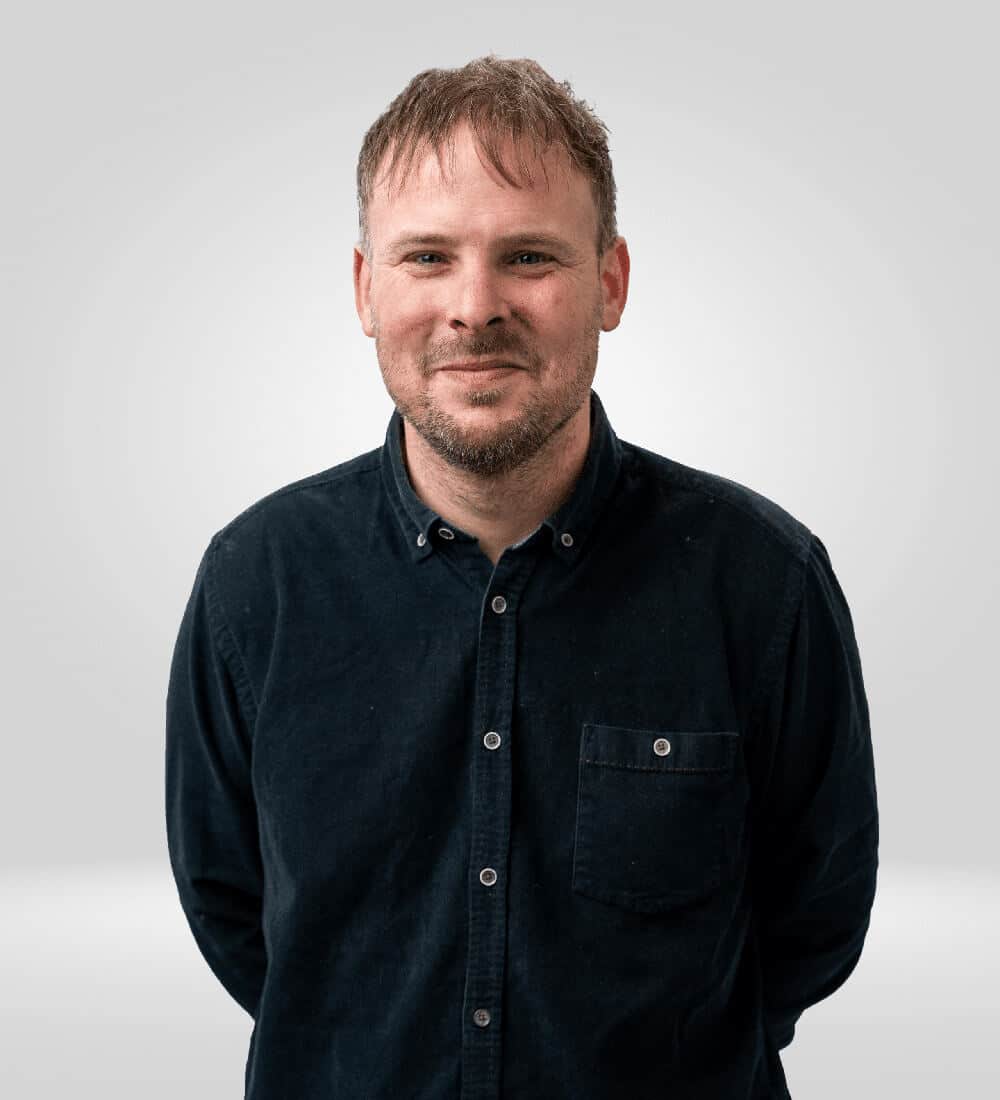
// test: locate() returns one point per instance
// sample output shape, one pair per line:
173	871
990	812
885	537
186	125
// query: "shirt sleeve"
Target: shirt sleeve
816	853
211	815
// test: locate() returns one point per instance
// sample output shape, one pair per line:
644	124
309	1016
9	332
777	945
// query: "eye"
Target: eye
434	259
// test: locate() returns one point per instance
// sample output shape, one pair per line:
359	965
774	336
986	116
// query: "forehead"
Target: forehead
460	174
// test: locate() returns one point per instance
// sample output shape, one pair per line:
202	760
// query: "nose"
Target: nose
477	297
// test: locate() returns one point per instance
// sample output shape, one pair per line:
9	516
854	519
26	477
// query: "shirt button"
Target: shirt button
487	876
661	746
566	538
445	533
481	1017
421	539
499	604
492	740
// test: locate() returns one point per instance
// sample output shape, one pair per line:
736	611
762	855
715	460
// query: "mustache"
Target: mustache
480	348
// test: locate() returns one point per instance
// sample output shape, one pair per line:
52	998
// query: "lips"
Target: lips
473	365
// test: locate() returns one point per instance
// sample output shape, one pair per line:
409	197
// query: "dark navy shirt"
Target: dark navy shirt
596	822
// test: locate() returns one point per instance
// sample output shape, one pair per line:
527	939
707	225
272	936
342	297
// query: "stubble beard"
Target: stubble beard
512	442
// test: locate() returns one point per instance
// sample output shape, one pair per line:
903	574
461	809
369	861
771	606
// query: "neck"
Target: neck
502	510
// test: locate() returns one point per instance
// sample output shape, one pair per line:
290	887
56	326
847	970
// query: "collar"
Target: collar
568	527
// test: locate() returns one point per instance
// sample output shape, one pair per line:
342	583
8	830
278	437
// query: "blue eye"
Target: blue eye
433	259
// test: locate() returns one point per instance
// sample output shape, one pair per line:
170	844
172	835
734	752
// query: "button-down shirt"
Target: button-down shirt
595	822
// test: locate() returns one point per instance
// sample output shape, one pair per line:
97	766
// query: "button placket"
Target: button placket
496	673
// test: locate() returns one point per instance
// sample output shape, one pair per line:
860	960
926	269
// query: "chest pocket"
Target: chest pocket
659	815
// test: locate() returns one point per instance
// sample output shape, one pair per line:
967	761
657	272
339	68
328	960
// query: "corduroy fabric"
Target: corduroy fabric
598	822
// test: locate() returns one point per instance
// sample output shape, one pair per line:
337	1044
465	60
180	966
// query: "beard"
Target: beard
490	451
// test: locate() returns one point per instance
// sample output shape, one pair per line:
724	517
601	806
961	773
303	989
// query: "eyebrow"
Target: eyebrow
511	240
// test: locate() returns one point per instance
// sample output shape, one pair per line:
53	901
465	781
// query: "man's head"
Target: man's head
505	249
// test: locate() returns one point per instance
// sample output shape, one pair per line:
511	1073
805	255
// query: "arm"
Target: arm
210	811
816	848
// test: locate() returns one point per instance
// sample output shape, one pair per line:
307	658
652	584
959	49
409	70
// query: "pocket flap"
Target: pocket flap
658	750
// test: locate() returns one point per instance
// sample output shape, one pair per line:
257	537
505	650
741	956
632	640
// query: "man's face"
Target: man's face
467	267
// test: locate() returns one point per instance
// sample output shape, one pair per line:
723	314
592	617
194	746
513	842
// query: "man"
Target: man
511	759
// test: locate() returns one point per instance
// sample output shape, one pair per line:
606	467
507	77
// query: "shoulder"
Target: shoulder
318	495
292	529
748	557
729	508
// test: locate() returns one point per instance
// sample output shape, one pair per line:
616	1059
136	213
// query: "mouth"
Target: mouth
472	366
484	376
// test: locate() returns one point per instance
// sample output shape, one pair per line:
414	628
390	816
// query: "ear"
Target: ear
614	270
363	290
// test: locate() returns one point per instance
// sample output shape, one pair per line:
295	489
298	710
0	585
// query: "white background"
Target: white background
809	196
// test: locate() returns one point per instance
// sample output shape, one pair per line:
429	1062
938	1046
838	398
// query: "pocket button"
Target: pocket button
657	830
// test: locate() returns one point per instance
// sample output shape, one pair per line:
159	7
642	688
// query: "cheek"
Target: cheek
404	315
562	315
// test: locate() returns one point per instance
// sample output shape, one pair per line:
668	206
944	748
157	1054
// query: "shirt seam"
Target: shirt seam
692	480
772	662
297	487
225	642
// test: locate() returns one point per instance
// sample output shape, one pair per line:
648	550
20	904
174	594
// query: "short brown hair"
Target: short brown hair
500	99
